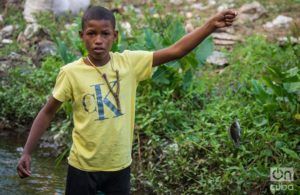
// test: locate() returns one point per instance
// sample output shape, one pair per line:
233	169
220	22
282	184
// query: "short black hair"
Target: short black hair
98	13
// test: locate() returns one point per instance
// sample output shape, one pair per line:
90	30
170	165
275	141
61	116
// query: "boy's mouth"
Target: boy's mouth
98	49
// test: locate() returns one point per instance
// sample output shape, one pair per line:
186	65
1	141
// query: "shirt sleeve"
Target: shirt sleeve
141	63
62	89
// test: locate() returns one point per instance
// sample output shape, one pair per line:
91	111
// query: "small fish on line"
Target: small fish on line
235	133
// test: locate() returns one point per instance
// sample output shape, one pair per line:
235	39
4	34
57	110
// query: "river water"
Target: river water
45	178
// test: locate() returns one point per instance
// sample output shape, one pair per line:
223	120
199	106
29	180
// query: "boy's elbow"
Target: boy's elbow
51	107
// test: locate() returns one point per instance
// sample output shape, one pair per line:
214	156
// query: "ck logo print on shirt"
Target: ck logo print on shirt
96	102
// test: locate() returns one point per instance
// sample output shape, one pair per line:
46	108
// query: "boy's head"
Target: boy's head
98	32
98	13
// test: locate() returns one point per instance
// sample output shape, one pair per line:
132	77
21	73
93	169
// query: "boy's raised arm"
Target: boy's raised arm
40	124
188	42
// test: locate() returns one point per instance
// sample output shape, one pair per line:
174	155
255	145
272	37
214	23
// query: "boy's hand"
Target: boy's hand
223	19
24	166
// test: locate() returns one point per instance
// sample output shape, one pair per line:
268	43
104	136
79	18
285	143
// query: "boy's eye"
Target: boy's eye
105	33
90	33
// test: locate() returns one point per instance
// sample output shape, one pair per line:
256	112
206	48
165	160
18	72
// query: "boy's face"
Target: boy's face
98	37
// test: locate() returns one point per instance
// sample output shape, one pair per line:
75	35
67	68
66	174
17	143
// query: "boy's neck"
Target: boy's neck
99	62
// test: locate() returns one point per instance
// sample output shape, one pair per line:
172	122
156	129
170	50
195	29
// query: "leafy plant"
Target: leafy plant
177	74
26	89
279	90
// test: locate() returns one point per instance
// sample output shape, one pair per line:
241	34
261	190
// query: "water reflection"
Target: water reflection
45	179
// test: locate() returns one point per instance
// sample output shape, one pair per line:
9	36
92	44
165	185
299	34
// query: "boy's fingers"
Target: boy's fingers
228	16
229	20
228	23
22	175
230	13
23	170
27	166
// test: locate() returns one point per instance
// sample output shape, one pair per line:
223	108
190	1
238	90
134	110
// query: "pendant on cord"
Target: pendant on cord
115	94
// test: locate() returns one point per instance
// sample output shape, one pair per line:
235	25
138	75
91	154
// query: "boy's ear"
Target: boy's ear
80	34
116	35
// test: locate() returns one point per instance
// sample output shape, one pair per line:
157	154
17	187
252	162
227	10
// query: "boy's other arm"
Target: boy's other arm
188	42
40	124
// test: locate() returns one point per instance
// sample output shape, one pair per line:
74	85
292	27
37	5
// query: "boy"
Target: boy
102	88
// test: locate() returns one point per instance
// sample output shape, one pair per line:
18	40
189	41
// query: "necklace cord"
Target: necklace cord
103	75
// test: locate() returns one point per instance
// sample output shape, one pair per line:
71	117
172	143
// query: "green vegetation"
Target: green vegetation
25	90
183	141
184	112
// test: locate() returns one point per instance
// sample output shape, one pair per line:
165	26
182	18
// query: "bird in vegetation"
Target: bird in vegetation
235	132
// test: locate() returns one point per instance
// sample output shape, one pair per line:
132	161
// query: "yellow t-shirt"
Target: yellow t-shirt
102	136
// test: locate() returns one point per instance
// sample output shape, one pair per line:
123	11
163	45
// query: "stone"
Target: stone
223	42
199	6
58	7
14	56
225	6
71	26
212	2
31	30
138	11
251	12
11	2
127	28
74	6
7	41
252	8
279	22
20	149
176	2
284	40
6	31
225	36
45	48
189	27
4	64
31	7
189	14
217	58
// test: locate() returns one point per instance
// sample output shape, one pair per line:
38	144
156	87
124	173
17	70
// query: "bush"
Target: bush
26	89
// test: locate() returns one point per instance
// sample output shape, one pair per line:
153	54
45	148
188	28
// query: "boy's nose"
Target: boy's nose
98	40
